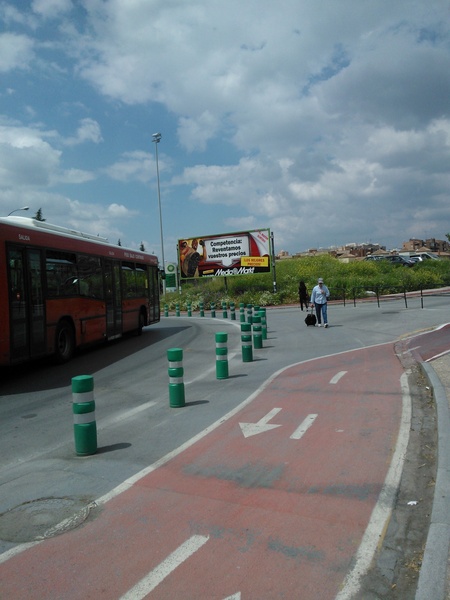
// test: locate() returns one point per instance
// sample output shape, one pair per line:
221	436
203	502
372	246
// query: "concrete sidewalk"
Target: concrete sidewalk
434	579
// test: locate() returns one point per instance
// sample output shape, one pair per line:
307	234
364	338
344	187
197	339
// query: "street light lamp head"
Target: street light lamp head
17	209
156	137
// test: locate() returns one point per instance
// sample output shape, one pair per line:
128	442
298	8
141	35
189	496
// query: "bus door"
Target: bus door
113	298
26	303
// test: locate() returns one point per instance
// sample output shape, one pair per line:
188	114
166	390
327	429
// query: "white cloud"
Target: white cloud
133	166
26	159
16	52
51	8
88	131
331	118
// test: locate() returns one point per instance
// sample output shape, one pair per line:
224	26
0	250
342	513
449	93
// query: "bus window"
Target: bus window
141	281
128	280
62	276
91	277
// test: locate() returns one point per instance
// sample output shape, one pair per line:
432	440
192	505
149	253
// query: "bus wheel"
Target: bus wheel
141	323
64	342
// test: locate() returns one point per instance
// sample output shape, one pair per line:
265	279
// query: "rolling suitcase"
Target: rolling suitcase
310	319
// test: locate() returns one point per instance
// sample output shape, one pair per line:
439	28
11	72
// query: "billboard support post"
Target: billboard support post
273	264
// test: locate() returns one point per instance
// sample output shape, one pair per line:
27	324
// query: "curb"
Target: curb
433	573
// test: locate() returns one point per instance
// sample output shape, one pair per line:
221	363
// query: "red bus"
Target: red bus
61	289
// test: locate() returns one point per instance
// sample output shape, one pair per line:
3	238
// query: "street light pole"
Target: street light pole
156	140
17	210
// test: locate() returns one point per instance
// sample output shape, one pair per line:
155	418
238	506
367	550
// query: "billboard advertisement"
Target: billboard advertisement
224	255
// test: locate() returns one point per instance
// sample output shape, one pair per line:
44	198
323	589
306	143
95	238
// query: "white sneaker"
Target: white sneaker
319	325
326	325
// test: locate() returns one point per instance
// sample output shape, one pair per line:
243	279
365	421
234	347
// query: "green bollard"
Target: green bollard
202	309
232	311
265	316
262	313
189	310
84	424
249	313
224	310
166	310
176	372
221	355
213	310
257	332
242	312
177	310
246	339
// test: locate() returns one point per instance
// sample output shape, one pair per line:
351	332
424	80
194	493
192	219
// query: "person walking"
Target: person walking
319	299
303	297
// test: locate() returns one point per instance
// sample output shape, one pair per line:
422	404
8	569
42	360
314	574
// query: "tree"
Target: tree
38	216
142	247
447	235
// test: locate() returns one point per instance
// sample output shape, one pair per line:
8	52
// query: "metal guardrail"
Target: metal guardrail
361	294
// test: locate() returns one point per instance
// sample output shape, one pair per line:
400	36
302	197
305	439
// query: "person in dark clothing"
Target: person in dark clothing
303	295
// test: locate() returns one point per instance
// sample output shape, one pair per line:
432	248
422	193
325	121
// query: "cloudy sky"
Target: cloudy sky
327	121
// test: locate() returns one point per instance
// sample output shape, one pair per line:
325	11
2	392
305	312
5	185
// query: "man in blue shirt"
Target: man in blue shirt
319	298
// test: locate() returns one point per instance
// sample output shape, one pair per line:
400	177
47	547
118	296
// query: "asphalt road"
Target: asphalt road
43	481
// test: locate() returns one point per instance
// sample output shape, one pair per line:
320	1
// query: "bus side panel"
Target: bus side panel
88	317
130	314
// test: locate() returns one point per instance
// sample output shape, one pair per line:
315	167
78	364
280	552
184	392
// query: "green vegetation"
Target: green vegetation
352	279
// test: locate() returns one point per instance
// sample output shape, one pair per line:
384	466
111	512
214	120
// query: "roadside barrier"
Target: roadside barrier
189	310
84	424
213	310
242	312
246	340
224	310
249	313
166	310
202	309
262	312
176	372
257	332
232	311
177	310
221	355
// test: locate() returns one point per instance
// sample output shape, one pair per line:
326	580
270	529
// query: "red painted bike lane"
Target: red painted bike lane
273	503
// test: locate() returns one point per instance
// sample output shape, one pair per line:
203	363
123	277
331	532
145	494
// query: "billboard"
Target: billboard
224	255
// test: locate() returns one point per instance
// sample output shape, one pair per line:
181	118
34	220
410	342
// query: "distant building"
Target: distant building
431	244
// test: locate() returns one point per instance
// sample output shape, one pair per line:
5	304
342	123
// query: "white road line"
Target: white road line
338	376
128	483
303	428
154	578
117	418
382	511
438	355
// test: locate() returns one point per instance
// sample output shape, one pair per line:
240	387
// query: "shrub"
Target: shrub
355	278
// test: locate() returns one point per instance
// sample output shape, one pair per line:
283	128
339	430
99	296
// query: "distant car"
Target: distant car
395	259
424	256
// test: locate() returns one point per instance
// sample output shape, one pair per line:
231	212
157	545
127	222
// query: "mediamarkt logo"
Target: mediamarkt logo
235	271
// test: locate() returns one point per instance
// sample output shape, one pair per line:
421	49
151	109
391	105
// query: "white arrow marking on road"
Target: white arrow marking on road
154	578
306	424
234	597
336	378
249	429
